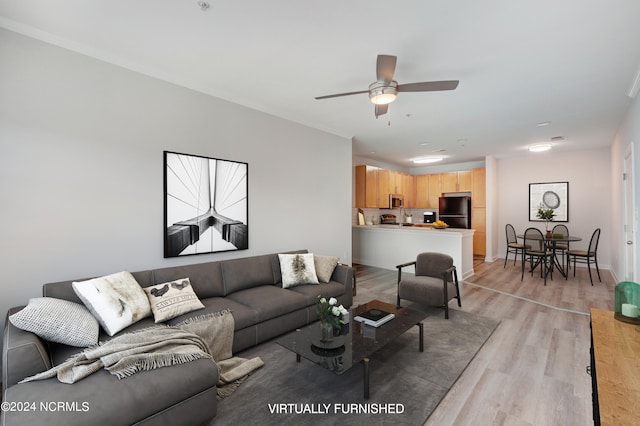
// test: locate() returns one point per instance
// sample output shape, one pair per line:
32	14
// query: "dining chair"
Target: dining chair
587	256
536	249
513	246
435	281
562	230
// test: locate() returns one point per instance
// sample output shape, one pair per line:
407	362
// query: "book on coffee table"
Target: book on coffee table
375	317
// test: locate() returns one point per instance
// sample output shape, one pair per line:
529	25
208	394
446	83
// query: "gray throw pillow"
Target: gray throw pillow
58	320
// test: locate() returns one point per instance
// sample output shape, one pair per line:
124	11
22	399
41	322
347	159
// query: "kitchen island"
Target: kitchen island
385	246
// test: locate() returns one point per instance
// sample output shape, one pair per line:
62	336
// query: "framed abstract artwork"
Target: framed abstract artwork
205	205
551	195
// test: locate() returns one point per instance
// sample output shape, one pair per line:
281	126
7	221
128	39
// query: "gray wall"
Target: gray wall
81	170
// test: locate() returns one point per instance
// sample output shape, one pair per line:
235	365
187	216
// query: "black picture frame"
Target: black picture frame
206	205
549	195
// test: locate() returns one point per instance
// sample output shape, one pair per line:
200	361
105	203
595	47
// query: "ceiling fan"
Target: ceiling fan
385	90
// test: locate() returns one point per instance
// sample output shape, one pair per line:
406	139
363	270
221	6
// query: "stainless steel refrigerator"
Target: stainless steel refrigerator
455	211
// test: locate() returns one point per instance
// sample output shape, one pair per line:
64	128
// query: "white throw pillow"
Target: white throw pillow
169	300
297	269
116	300
325	266
58	320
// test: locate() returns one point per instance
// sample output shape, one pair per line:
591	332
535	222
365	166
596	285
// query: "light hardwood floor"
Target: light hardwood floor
532	370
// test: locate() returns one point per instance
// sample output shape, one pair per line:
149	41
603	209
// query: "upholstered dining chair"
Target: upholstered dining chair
561	230
435	281
587	256
513	246
536	250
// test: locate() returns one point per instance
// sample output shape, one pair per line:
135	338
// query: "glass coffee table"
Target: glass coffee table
356	341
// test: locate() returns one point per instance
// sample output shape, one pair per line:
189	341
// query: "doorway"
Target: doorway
630	215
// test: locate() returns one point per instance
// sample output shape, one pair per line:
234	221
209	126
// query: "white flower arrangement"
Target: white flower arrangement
328	311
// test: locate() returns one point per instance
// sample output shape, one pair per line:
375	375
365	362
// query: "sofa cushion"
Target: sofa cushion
59	321
103	399
206	278
270	301
297	269
247	272
311	292
171	299
325	266
243	315
116	300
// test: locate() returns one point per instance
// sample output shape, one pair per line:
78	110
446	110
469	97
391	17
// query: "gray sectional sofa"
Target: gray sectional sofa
250	287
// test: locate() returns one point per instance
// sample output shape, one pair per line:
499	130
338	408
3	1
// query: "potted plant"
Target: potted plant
546	215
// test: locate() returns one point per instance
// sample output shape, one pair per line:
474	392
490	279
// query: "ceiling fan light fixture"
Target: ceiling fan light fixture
383	93
541	147
431	159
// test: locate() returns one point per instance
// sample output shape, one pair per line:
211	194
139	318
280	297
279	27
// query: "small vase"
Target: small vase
549	235
326	332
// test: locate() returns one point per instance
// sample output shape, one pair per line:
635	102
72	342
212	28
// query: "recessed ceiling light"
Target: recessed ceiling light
424	144
432	159
540	147
543	123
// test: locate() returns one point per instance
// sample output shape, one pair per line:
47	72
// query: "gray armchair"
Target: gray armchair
435	281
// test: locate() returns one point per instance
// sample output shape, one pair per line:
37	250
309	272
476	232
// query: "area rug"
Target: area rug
405	384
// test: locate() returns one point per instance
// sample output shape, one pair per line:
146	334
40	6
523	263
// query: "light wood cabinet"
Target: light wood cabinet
367	186
465	181
409	192
449	182
372	187
479	211
384	177
456	181
422	191
435	191
478	222
479	198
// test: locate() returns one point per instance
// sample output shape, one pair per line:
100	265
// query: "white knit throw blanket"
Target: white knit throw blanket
122	356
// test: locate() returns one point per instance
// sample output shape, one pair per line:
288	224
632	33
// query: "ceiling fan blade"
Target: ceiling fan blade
381	110
385	67
341	94
428	86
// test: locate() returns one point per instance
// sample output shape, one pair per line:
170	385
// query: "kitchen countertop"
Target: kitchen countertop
386	246
415	227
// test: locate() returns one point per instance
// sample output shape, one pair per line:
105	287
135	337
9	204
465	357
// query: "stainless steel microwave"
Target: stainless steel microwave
396	201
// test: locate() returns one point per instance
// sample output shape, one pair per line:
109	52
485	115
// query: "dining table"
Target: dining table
550	242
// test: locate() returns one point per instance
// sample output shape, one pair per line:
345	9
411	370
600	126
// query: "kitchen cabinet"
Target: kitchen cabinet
422	191
478	222
408	188
372	187
465	181
478	187
456	181
384	178
479	211
435	191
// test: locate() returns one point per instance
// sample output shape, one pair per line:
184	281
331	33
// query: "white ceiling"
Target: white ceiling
567	62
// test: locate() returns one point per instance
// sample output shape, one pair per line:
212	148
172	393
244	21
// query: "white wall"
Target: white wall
589	177
81	170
